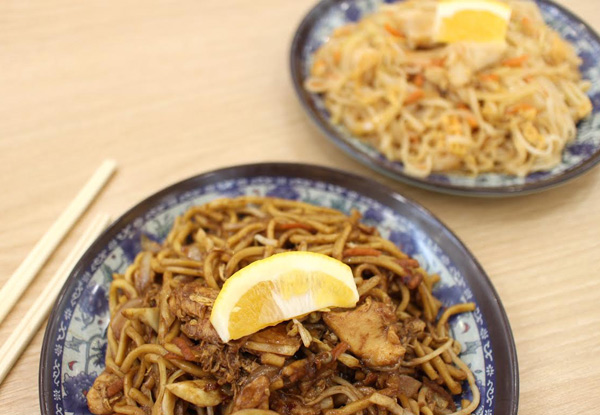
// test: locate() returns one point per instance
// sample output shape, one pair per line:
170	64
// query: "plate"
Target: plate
75	339
578	157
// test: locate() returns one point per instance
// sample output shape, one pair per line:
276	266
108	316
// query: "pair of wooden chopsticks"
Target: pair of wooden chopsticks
22	277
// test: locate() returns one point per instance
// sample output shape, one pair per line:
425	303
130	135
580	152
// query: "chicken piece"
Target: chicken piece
403	385
201	329
273	340
223	361
369	333
467	58
192	303
106	389
410	329
254	395
192	299
417	25
439	396
478	55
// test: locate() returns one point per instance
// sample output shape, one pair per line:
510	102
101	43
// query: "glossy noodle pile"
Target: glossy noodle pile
390	354
463	107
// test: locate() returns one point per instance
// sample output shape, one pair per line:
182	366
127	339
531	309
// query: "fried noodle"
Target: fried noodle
388	355
464	107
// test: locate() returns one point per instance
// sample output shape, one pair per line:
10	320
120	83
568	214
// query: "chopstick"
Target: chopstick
33	319
22	277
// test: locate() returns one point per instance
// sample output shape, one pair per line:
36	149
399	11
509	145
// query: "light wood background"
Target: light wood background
175	88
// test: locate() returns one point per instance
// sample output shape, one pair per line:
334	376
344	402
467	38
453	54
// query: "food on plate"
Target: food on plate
424	85
384	350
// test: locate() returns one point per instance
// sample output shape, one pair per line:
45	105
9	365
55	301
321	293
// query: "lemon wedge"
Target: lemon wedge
279	288
471	20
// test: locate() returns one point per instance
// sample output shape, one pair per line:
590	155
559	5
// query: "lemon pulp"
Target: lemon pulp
471	20
279	288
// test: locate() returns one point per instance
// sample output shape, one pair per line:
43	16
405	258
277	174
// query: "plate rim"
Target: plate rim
488	300
380	166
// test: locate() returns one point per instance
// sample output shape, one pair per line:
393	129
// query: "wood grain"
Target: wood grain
174	88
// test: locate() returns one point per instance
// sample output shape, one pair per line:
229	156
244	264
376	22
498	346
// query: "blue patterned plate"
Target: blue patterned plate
75	340
578	157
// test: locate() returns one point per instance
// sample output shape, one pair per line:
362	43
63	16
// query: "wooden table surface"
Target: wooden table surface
171	89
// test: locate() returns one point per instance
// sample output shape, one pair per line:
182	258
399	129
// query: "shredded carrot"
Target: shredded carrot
184	345
419	80
414	96
519	107
392	30
339	349
472	121
407	262
287	226
489	77
516	61
318	66
337	56
438	61
341	31
462	106
361	252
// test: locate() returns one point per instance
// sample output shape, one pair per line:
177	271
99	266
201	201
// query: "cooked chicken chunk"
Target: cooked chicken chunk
402	385
192	303
466	58
254	395
417	25
367	329
192	299
201	329
439	396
